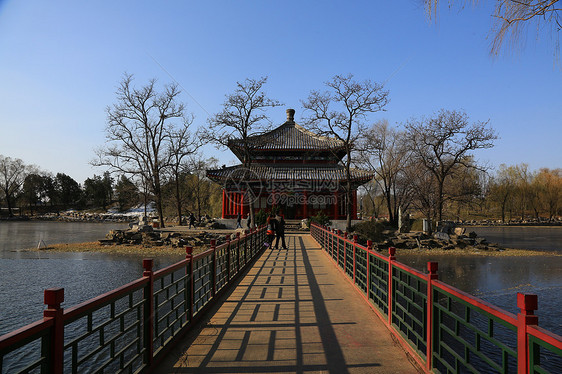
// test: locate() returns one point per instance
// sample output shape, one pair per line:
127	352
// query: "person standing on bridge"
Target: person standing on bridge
280	231
271	229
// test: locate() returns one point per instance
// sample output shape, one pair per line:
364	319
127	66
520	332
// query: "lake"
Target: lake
24	275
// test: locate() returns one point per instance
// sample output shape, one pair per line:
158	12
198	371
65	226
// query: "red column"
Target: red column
432	268
53	297
528	304
148	295
189	270
223	204
391	258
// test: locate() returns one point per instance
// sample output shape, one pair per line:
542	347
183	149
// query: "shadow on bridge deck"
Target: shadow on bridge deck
293	312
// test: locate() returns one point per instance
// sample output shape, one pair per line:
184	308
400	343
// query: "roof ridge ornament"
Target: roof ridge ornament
290	115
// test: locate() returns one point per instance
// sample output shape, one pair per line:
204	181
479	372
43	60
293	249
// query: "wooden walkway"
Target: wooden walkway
293	312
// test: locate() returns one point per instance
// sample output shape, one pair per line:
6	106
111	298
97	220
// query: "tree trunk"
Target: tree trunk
178	200
349	206
440	201
10	214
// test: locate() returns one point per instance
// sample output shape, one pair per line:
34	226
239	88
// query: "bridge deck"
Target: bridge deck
292	312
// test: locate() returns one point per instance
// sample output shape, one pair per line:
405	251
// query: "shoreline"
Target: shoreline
133	249
118	249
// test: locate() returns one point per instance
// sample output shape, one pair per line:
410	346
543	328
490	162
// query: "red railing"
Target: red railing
443	328
129	329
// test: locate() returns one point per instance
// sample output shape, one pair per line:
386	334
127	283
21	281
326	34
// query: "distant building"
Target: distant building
292	168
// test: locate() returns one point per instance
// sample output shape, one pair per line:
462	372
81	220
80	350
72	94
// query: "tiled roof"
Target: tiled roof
290	136
305	173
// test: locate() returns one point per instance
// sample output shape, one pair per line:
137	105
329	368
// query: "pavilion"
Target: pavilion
293	169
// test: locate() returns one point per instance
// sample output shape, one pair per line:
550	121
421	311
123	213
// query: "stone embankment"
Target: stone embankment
556	221
146	236
73	216
442	241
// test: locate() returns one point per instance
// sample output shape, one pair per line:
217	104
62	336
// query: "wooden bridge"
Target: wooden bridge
293	312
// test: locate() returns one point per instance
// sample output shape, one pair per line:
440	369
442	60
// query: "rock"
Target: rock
481	241
441	236
459	230
460	243
472	235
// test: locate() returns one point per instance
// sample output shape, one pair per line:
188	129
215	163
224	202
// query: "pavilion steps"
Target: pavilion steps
292	225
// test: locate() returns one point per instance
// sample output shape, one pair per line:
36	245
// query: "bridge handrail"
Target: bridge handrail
128	328
444	328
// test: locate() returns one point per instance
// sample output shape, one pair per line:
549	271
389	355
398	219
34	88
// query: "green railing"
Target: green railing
129	329
443	328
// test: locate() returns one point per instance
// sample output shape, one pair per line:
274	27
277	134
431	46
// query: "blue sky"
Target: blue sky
60	62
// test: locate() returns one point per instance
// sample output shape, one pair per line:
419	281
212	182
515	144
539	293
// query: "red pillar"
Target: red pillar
432	268
53	297
528	304
223	203
391	258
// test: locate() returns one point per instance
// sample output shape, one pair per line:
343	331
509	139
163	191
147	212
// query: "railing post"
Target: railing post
148	295
391	258
432	269
237	251
344	252
354	253
53	297
191	290
528	303
213	244
338	246
228	258
246	237
369	249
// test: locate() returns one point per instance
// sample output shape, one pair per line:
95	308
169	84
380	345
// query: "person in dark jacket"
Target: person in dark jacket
249	221
280	231
271	229
192	220
238	221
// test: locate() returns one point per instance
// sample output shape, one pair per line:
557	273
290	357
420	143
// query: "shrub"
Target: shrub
321	219
370	230
261	217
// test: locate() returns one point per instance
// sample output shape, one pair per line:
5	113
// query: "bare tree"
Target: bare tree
383	150
443	142
12	175
513	17
242	117
139	130
201	187
182	144
340	112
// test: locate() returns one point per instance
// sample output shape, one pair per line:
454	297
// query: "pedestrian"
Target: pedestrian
238	221
192	220
249	221
280	231
271	228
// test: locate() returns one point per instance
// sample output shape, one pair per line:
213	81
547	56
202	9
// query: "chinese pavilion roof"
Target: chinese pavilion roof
305	172
289	137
